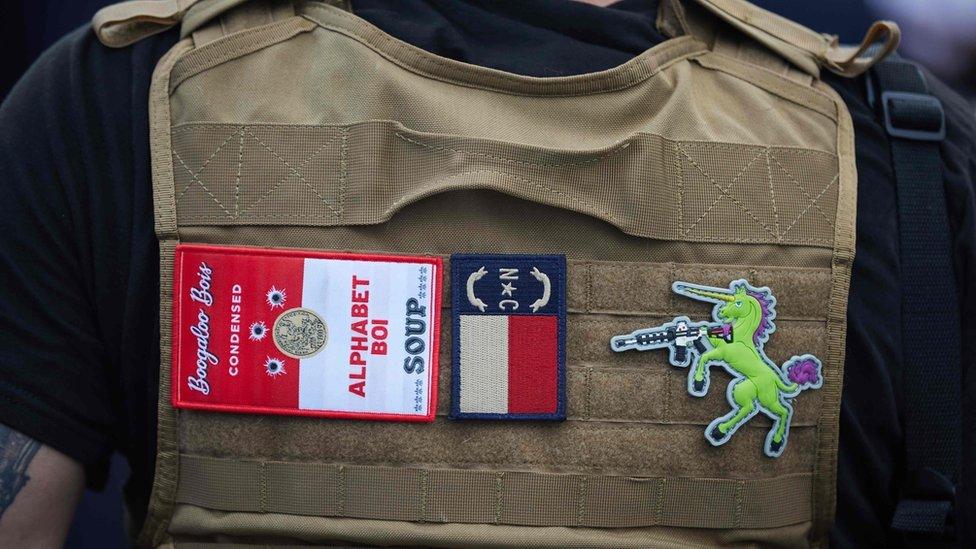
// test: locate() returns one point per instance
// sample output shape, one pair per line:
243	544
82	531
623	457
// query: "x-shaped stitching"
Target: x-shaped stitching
813	201
294	172
195	177
812	204
726	193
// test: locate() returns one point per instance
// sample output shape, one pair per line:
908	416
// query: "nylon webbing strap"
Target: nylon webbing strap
364	173
491	497
915	122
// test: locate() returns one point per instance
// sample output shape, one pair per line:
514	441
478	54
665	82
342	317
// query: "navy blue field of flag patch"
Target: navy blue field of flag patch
509	330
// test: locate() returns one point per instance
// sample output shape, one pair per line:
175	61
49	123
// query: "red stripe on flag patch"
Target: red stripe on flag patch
533	347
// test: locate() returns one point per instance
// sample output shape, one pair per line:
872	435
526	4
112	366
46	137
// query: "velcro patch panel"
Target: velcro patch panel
509	330
297	332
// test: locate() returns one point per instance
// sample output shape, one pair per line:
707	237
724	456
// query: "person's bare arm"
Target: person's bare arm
39	489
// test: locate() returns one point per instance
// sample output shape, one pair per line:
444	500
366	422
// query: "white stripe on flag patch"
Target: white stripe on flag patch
484	364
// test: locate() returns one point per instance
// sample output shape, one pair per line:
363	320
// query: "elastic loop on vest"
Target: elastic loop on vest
122	24
806	49
204	11
850	61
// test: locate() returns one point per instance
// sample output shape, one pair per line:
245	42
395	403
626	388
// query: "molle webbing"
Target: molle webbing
496	497
646	186
622	407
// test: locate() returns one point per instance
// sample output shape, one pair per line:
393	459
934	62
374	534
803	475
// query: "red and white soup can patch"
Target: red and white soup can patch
281	331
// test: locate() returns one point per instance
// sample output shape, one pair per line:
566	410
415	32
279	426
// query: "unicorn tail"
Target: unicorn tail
804	371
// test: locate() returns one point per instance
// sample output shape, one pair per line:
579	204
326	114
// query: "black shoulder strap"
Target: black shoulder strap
931	326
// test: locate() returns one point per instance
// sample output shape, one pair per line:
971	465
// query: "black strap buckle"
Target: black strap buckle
915	116
908	114
927	506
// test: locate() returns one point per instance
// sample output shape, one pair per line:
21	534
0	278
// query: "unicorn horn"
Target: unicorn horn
705	293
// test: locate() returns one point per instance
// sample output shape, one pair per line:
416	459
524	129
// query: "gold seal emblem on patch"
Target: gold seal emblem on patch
300	333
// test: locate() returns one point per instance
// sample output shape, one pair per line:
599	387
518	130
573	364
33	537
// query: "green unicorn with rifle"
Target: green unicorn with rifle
743	321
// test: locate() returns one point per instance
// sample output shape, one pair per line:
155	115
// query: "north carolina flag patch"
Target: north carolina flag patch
509	330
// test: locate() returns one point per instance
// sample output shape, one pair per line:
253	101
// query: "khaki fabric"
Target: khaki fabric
263	530
248	15
165	479
805	49
122	24
484	497
703	159
697	186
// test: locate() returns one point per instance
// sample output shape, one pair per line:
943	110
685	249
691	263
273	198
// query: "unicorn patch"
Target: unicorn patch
743	321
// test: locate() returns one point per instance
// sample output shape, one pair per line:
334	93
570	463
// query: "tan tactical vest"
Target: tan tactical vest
714	156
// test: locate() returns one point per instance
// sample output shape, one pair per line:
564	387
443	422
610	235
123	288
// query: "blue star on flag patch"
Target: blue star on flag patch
509	330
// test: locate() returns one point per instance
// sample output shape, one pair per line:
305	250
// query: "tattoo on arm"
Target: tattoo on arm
16	453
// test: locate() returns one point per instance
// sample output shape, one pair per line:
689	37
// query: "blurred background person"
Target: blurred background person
940	34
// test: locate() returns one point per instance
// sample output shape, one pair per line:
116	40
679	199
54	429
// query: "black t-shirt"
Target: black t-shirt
79	274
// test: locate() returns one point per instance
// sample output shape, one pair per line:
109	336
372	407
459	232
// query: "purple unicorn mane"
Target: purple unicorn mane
766	304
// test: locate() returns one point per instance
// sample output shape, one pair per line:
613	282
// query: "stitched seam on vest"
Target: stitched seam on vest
726	193
264	487
515	462
772	193
195	179
600	158
242	212
813	201
581	502
778	235
295	172
166	473
424	483
189	219
237	181
217	52
589	392
407	200
685	143
343	168
341	483
652	494
680	178
597	469
668	393
641	64
659	508
498	496
791	89
194	176
823	496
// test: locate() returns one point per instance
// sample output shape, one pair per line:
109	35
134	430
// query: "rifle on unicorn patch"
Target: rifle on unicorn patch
678	335
743	320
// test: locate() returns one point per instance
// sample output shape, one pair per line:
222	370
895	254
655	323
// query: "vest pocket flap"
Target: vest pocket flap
365	173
